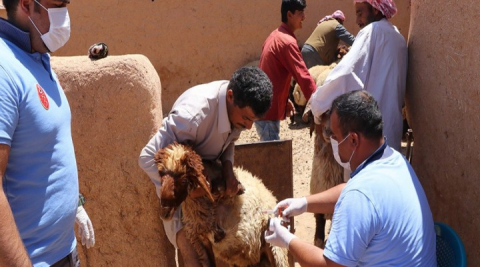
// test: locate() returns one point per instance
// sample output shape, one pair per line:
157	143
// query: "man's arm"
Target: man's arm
305	253
12	250
176	127
344	35
296	66
325	201
349	75
231	182
309	255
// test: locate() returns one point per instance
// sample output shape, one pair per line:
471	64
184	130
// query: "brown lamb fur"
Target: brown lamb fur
326	173
231	228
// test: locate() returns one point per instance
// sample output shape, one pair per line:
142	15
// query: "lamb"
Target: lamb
319	73
230	229
326	173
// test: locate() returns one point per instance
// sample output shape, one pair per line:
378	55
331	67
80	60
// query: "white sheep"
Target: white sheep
319	74
230	229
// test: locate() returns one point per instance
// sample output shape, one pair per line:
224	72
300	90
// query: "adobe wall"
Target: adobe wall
191	42
443	108
116	107
3	12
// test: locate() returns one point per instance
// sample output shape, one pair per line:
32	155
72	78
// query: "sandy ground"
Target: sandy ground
302	166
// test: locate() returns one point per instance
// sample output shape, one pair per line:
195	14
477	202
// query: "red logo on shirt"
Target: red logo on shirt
43	97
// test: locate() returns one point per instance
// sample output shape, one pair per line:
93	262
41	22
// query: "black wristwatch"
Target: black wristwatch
81	200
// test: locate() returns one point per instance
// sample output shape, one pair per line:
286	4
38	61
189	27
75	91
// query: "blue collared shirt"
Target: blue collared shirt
41	180
375	156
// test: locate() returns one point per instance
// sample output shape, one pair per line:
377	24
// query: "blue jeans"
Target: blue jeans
268	130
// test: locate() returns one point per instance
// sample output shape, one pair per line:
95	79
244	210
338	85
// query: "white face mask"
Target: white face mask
335	145
59	32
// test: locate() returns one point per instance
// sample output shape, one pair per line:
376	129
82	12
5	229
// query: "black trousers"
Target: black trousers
71	260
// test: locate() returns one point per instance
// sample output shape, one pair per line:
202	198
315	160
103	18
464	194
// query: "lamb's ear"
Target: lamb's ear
160	158
195	172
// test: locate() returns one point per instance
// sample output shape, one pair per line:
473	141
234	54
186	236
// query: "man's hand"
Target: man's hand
278	235
232	185
290	109
291	207
85	227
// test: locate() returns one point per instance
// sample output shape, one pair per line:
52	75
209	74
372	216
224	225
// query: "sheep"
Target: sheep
230	229
319	73
326	172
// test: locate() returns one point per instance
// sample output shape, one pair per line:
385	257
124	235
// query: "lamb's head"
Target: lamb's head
321	130
180	169
341	51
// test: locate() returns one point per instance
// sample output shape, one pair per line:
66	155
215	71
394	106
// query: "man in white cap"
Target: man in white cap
321	47
377	62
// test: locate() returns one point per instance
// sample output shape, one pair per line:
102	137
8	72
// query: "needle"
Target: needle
268	211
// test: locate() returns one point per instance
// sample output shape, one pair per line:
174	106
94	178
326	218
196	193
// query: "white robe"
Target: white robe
377	62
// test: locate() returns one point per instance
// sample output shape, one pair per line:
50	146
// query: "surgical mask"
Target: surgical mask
59	32
335	145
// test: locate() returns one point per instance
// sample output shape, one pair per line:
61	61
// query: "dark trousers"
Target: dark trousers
71	260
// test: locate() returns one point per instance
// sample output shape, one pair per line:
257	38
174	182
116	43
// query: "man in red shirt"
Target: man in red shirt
280	60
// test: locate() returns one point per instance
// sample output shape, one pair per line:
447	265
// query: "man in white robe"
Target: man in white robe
377	62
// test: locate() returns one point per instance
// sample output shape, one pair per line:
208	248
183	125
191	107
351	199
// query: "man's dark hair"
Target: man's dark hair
10	6
251	87
292	6
358	111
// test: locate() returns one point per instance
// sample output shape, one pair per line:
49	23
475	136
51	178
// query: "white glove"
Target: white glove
278	235
292	207
85	227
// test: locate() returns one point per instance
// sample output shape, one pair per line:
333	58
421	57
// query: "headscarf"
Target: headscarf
387	7
336	15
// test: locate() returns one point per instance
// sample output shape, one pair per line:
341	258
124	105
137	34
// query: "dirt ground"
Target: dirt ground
302	166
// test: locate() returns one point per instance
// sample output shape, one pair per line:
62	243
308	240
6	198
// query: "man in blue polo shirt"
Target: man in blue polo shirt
381	216
39	188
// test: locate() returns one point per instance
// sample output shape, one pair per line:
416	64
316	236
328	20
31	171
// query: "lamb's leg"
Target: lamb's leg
328	226
319	230
204	250
209	251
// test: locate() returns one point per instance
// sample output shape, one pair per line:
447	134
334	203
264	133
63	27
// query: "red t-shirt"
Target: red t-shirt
280	60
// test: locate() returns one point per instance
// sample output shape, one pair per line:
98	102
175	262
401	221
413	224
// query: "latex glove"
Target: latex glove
278	235
85	227
291	207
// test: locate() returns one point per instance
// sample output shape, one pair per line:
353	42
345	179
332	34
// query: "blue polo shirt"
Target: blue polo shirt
382	217
41	180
